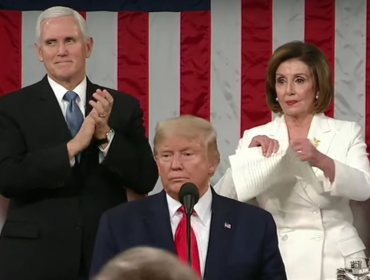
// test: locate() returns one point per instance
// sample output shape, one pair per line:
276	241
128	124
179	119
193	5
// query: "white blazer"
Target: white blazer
315	230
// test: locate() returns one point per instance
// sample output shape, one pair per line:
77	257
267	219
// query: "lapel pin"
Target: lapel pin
316	142
227	225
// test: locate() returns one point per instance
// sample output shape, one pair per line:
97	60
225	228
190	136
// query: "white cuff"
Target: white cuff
103	152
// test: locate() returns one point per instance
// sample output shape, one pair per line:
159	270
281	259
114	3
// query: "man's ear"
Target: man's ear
89	47
212	167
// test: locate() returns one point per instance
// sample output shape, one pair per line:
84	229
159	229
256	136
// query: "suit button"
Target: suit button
78	226
285	237
60	184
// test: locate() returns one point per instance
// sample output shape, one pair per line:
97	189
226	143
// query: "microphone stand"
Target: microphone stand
188	202
188	237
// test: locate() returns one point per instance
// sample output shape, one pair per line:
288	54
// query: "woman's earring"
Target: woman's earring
276	99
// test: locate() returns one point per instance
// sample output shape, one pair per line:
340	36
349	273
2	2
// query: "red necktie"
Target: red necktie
180	244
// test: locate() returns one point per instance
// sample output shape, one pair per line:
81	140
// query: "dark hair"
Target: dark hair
316	61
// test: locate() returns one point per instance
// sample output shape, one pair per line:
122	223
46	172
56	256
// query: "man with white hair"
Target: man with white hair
69	149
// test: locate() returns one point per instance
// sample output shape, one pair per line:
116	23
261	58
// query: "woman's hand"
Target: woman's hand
267	144
307	152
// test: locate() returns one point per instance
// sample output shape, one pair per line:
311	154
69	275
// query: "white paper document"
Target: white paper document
253	173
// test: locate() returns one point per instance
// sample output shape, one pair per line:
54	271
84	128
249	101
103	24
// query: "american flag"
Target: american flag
201	57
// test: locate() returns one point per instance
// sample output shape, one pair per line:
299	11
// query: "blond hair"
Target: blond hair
145	263
191	128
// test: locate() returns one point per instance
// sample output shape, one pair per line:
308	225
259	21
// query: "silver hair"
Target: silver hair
60	11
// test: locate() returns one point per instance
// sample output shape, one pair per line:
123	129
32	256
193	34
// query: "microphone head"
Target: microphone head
188	189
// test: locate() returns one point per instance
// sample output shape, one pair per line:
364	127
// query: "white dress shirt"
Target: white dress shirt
200	222
80	89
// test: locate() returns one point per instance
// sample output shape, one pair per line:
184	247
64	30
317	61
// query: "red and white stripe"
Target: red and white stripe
208	63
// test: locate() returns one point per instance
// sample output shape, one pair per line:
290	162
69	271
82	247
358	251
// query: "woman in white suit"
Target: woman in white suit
315	229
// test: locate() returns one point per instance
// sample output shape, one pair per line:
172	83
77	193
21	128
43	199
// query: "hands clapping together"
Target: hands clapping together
95	124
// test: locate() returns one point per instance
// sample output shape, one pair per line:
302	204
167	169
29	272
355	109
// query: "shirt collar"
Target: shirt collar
202	208
59	90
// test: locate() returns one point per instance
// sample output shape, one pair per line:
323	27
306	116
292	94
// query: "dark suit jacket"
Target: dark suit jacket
54	209
246	251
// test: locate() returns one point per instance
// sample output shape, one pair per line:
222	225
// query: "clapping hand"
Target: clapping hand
101	111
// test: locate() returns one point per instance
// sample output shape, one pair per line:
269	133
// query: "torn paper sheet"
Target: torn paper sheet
254	173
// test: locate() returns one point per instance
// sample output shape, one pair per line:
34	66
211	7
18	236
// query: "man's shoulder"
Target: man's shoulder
19	96
127	210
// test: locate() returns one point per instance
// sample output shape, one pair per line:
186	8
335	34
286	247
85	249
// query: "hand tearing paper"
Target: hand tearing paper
254	173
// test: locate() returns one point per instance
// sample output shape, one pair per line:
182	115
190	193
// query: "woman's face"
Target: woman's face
294	87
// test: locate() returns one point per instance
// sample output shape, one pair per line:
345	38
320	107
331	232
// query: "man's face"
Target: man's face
181	160
63	49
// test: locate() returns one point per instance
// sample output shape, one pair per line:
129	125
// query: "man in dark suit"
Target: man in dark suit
230	239
68	150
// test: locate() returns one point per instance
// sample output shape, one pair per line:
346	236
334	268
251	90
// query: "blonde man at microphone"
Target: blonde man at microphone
228	239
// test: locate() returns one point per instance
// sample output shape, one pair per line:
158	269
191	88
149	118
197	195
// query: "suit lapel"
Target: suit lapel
90	90
279	130
220	237
320	131
321	134
158	222
91	153
50	115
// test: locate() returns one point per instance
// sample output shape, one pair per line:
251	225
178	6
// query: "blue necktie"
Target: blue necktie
74	116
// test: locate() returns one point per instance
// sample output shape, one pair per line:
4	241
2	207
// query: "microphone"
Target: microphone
188	196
